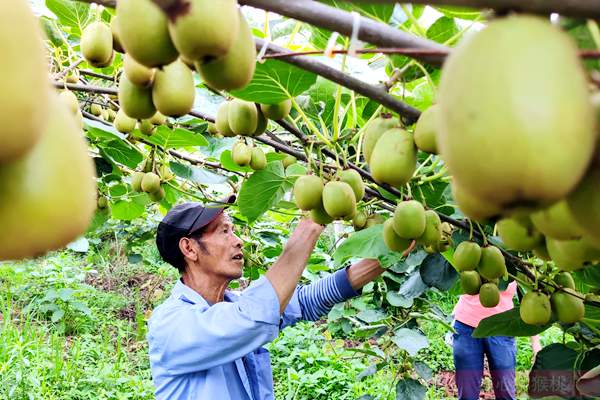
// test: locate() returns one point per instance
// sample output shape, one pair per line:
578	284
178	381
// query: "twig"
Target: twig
85	88
97	75
65	71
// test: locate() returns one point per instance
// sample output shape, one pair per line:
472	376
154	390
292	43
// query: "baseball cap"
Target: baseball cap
183	220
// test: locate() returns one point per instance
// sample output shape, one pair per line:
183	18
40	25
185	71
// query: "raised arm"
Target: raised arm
287	270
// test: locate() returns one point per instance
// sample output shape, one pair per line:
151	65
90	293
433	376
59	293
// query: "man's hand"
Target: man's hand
287	270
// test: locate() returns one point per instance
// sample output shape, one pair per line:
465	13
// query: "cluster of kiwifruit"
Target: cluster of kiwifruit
47	179
244	118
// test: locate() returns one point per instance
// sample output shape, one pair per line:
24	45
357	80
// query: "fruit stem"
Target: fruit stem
309	123
470	229
338	101
483	235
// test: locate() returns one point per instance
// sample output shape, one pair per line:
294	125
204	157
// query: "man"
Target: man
205	343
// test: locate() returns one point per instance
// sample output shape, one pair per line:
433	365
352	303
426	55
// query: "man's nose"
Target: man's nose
238	242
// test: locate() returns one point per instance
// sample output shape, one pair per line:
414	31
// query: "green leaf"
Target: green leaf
459	12
275	81
423	370
322	96
197	175
121	152
410	340
367	243
118	190
57	315
176	138
228	164
410	389
437	272
397	300
127	210
442	29
508	323
71	13
589	275
369	316
554	363
262	190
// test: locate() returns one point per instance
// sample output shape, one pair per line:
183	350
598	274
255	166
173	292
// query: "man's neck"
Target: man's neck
211	288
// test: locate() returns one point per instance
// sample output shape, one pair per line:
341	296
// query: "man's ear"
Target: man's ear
188	249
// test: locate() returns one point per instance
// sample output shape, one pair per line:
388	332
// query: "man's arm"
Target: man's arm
364	272
287	270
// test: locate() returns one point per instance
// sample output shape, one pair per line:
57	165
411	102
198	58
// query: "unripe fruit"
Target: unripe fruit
212	128
392	240
144	34
241	154
222	120
470	281
426	130
360	220
565	280
102	202
205	29
308	192
146	127
135	101
492	264
375	219
96	43
409	219
48	196
557	222
277	111
114	29
96	109
158	195
258	160
243	117
584	205
150	182
165	173
137	73
339	200
352	178
320	216
535	309
489	295
394	158
571	255
70	100
372	133
235	69
568	308
262	123
136	181
472	207
501	149
433	229
123	123
173	90
467	256
518	233
158	119
288	160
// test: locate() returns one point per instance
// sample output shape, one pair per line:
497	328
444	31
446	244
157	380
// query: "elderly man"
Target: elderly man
205	342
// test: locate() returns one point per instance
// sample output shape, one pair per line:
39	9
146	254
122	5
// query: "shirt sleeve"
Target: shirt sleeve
194	338
313	301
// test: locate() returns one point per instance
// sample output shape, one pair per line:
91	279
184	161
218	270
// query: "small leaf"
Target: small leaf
367	243
396	300
121	152
423	370
227	163
57	315
370	316
80	245
410	340
195	174
370	370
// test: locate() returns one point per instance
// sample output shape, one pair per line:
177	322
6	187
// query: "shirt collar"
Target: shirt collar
185	293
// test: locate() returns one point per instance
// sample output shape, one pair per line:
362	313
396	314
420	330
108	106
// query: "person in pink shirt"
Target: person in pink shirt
469	352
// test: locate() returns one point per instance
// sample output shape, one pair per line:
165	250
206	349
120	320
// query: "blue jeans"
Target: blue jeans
468	361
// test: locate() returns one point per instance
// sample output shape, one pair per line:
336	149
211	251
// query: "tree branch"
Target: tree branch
97	75
373	92
572	8
76	87
334	19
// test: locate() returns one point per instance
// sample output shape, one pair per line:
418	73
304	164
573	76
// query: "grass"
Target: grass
72	326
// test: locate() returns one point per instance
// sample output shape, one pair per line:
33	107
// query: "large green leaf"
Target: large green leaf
410	389
127	210
442	29
70	13
275	81
322	96
197	175
262	190
367	243
554	363
459	12
437	272
175	138
121	152
589	275
508	323
410	340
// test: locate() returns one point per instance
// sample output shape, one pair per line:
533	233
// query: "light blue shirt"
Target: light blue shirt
200	351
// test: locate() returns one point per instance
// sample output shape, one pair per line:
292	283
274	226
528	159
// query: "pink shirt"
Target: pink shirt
469	310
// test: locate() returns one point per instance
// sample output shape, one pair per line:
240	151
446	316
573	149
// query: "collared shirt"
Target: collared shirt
200	351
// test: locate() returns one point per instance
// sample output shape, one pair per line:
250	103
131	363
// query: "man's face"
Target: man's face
223	255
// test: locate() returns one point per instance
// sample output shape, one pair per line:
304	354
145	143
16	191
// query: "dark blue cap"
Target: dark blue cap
184	220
